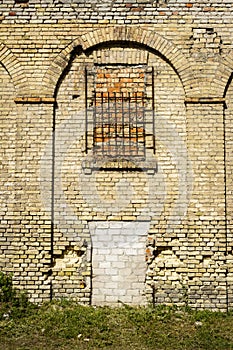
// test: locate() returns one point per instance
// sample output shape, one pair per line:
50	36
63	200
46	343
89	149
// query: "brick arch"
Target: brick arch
13	67
227	72
146	38
222	76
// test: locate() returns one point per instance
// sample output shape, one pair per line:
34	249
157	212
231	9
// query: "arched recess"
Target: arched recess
8	132
74	187
228	157
147	38
14	68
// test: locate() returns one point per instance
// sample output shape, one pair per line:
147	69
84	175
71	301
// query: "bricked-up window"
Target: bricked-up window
119	111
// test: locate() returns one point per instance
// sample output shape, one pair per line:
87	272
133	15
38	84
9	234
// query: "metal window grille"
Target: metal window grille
118	123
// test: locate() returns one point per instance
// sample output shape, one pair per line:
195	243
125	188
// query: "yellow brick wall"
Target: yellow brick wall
50	194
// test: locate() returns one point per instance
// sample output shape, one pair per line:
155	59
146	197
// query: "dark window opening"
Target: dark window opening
21	1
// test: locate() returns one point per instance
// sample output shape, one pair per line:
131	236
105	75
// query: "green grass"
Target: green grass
68	326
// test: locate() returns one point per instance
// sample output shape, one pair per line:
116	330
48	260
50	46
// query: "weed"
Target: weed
13	303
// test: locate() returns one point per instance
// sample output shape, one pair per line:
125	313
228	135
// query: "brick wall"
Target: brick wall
56	192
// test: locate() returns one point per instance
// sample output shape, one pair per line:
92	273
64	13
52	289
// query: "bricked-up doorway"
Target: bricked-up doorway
118	262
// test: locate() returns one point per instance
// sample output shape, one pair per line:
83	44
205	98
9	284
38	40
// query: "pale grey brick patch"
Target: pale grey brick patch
118	262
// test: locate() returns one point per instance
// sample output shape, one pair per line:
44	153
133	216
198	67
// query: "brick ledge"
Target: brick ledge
205	100
37	100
